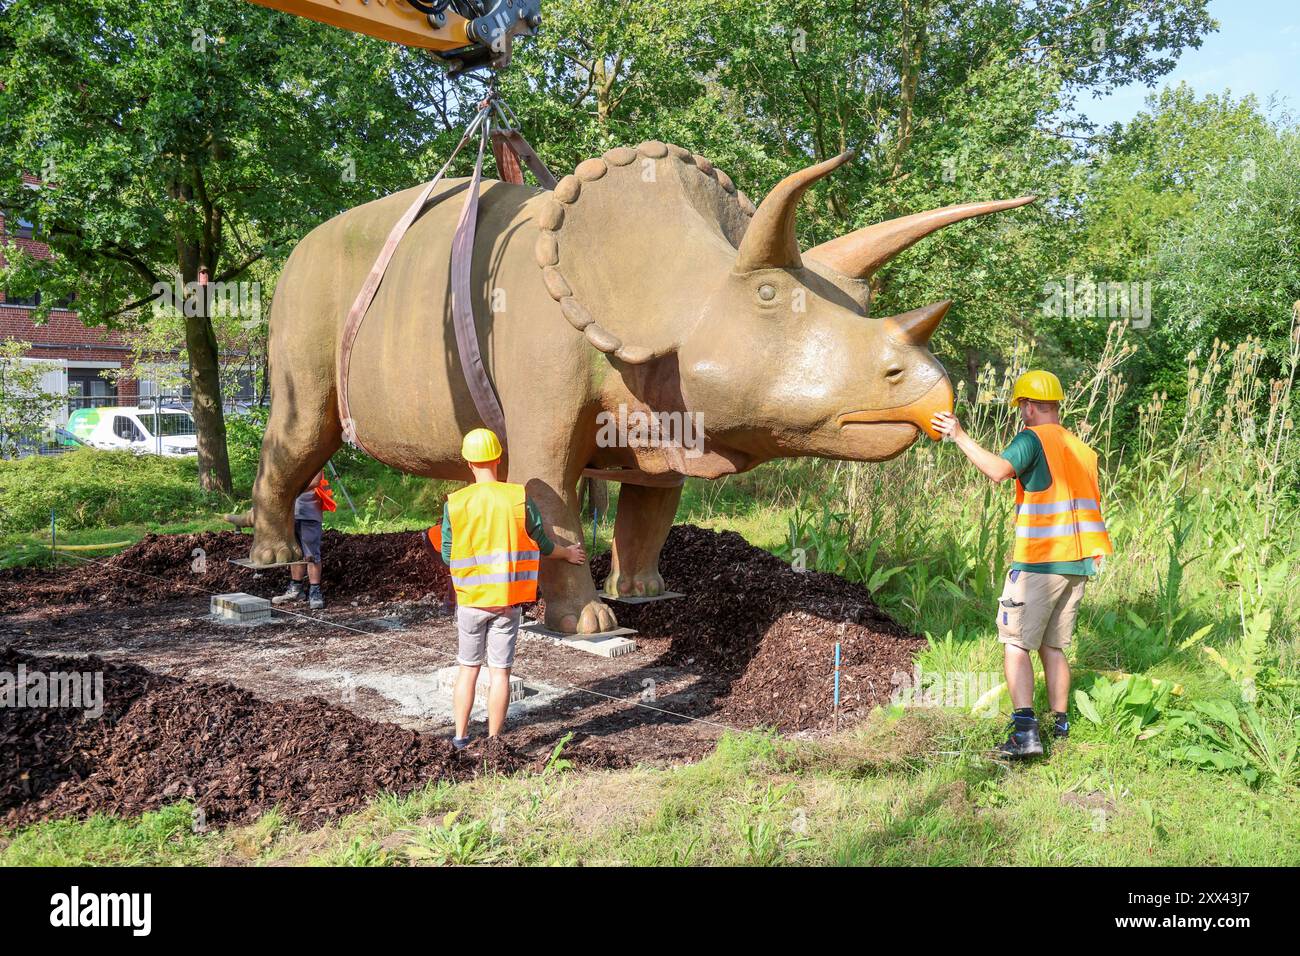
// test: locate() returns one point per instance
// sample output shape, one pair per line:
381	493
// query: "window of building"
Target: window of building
32	300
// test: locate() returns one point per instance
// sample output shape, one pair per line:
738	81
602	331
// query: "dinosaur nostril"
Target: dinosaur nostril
894	374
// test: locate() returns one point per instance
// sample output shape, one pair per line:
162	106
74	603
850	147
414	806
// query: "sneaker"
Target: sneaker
460	743
294	593
315	600
1060	726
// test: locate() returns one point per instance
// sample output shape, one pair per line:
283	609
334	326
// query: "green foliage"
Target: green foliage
24	406
95	489
1229	270
455	843
165	837
244	433
1130	707
1240	739
359	852
180	134
555	763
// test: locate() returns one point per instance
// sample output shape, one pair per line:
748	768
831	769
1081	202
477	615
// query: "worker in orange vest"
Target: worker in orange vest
1061	538
492	540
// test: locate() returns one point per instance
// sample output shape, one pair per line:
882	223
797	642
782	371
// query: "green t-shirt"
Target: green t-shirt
1025	454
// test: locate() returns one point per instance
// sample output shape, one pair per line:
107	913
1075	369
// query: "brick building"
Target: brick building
82	354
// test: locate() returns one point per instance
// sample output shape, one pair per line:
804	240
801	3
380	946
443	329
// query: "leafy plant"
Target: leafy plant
1238	739
1129	707
556	764
455	843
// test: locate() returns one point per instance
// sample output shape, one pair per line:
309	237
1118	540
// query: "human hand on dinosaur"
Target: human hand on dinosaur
947	425
574	554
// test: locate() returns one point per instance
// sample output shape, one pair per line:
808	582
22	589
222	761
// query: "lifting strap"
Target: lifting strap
462	306
506	141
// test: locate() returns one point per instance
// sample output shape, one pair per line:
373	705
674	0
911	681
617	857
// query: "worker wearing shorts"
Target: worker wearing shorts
492	541
308	522
1039	607
1060	539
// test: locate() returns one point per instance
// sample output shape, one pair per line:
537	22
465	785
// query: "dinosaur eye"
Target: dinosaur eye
767	292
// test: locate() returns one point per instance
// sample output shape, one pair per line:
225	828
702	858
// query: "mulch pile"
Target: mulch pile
233	755
762	634
768	632
364	568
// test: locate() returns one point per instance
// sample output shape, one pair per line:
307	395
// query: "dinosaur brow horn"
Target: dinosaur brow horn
862	252
770	241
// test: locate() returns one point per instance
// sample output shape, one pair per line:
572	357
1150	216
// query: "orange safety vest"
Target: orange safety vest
494	561
1063	523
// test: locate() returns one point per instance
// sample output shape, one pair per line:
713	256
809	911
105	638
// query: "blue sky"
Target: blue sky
1255	50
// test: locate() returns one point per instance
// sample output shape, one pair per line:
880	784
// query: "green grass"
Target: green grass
899	790
1198	604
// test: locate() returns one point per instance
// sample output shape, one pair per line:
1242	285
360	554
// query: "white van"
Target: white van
166	430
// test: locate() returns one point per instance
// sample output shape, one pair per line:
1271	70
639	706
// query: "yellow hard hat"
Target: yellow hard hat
1038	385
480	445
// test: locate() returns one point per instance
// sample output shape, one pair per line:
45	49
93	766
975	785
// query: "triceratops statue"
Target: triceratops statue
645	283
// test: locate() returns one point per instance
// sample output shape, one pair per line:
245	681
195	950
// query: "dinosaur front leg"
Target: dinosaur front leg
572	604
302	433
645	516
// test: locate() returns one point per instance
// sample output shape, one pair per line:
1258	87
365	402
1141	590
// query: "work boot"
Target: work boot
294	593
1023	740
1060	725
315	600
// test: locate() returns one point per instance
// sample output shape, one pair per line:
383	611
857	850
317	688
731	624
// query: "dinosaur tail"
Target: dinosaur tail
244	520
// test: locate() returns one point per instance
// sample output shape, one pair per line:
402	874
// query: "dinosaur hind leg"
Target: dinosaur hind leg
645	516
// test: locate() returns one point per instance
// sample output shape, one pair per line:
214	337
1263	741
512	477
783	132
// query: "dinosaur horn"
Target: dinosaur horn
916	327
862	252
770	242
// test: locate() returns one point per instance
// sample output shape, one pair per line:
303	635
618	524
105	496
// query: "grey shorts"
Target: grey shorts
308	534
487	630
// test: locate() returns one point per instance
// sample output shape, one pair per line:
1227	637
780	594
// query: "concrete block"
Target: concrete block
613	643
446	678
641	599
248	564
240	608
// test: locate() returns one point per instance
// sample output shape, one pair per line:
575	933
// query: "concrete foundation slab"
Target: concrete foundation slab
446	678
248	563
613	643
240	608
642	599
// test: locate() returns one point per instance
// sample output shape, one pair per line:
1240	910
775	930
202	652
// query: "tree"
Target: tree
942	103
1231	267
177	137
25	407
1196	198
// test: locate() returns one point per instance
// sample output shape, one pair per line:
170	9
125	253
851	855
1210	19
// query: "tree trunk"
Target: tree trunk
205	389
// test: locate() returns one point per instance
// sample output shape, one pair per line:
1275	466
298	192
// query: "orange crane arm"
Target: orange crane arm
438	25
